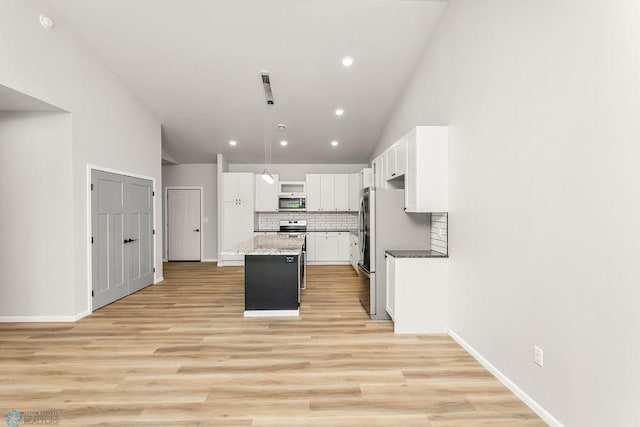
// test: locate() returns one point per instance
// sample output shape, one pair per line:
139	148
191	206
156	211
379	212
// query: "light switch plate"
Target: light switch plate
538	356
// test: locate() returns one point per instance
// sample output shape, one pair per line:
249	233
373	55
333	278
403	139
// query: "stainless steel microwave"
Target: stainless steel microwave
292	203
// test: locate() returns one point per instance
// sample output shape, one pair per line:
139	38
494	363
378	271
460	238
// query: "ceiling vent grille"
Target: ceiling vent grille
266	82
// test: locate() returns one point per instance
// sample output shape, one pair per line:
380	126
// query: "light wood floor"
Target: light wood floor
179	353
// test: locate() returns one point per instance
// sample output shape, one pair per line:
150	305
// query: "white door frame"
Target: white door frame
165	255
90	168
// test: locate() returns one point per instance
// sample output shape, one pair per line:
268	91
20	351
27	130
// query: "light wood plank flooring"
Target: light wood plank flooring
179	353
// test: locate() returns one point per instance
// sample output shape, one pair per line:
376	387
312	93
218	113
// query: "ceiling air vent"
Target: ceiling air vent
267	88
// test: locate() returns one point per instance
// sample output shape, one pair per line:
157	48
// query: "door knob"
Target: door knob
130	240
197	230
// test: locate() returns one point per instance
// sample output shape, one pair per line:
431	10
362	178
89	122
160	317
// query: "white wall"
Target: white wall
297	172
37	214
542	99
110	127
198	175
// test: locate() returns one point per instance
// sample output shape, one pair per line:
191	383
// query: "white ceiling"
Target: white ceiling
196	64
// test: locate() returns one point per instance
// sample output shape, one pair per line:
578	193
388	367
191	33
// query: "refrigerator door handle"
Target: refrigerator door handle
361	234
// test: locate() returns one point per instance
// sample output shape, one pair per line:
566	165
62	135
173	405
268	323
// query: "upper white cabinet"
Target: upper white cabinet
314	188
341	192
426	177
354	192
395	160
293	188
328	193
238	210
266	197
389	161
420	157
365	178
237	187
378	177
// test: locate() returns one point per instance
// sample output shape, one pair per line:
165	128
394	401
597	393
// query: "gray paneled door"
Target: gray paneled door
122	233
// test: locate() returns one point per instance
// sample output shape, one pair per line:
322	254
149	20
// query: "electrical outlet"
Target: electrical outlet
538	356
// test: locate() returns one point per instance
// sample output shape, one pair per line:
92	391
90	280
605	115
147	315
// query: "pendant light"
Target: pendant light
266	176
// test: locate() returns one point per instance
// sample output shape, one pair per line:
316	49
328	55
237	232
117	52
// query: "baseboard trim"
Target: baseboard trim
210	260
158	280
45	319
328	262
271	313
526	399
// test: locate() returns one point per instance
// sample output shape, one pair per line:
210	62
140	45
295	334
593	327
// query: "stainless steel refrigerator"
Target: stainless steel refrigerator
384	225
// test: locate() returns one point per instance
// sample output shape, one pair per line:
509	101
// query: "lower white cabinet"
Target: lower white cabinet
417	295
328	247
354	251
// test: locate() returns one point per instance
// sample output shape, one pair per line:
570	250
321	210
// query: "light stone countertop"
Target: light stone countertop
267	245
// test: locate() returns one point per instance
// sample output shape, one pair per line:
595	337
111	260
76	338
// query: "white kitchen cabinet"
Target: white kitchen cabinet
389	157
341	192
343	246
378	177
327	192
401	158
238	186
395	160
426	177
238	209
311	247
354	251
266	198
314	189
328	247
365	178
354	192
417	294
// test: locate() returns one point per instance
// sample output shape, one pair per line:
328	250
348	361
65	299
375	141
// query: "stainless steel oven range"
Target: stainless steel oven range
297	228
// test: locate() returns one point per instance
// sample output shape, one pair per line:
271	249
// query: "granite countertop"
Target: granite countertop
426	253
267	245
314	230
330	229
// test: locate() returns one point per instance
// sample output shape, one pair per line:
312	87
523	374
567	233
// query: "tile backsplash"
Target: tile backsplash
331	220
440	232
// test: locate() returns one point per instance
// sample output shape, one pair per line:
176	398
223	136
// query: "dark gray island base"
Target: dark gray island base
274	273
271	283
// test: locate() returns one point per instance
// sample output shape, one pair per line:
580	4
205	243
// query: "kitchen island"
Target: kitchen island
274	269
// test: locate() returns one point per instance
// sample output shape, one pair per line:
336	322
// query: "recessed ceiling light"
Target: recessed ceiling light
347	61
283	143
281	127
232	143
334	143
339	111
46	22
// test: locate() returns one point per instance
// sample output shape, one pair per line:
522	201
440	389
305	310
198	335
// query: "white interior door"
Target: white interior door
183	225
